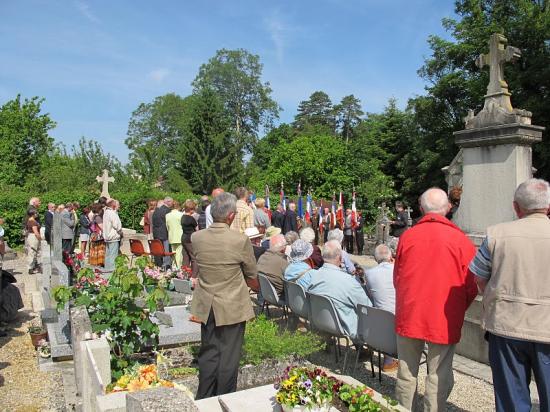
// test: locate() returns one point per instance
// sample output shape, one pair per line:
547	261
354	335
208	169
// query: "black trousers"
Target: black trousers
348	243
219	357
360	241
67	245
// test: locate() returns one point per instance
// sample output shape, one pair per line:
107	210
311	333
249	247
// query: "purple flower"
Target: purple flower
307	384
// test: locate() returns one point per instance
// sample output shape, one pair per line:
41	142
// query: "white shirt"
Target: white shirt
209	219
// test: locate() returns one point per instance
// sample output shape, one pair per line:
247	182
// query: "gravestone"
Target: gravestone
496	149
57	241
105	179
59	332
382	225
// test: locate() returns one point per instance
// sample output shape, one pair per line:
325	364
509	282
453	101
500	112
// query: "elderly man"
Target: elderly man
337	285
215	193
112	233
348	232
160	231
221	301
67	228
48	222
338	235
433	290
273	262
175	232
379	283
290	223
244	217
511	270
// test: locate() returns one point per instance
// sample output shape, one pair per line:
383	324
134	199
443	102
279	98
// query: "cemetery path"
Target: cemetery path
23	387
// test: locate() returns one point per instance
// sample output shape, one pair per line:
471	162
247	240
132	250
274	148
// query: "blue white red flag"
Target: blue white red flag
267	202
300	206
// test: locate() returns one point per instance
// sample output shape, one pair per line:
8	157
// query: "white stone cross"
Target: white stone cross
499	53
409	219
105	179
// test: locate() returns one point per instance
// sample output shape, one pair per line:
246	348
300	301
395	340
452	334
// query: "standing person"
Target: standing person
291	219
160	231
379	285
33	240
188	225
399	225
205	202
244	217
112	233
315	224
348	232
278	218
433	290
359	235
148	218
67	228
96	255
221	301
215	193
173	224
84	224
511	271
261	219
326	224
48	222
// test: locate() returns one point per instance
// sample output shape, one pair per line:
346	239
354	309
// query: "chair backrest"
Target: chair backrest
268	290
296	299
156	247
376	328
136	247
324	316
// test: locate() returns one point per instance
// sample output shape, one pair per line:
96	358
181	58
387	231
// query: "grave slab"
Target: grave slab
159	400
182	331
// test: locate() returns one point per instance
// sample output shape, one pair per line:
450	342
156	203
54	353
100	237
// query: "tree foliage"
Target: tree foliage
316	111
348	115
24	139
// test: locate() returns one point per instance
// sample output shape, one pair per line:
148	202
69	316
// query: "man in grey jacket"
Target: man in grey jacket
112	233
67	228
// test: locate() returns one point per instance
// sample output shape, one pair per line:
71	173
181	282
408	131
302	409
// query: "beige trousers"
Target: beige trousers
178	257
33	247
439	381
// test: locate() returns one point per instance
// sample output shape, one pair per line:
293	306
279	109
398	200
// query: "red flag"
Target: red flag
353	211
340	213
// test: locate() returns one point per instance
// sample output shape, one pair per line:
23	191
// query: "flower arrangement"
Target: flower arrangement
305	388
43	348
139	377
74	261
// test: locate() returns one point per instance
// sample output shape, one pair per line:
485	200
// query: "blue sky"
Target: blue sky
95	61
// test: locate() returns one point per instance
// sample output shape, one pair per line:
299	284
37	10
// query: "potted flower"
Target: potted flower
305	389
43	348
37	333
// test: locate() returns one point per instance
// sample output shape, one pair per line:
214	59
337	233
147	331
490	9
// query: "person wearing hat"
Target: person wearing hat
301	267
255	237
269	233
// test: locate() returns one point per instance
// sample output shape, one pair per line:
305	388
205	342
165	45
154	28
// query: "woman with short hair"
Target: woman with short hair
189	226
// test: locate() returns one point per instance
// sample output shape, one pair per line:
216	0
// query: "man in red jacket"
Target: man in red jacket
433	290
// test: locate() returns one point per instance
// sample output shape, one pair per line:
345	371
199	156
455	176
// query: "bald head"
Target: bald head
217	191
434	200
277	243
332	252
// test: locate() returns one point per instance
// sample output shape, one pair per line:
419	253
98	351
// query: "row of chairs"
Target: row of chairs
156	248
375	330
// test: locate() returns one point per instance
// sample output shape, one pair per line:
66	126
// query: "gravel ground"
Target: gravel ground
23	387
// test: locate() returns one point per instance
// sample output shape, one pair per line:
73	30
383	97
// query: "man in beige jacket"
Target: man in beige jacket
221	301
511	269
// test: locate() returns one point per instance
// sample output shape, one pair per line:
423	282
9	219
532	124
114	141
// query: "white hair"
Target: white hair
291	237
382	253
277	242
331	250
222	206
533	194
434	200
307	234
336	234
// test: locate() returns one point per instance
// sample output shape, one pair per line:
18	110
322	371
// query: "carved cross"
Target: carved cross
409	219
105	179
499	53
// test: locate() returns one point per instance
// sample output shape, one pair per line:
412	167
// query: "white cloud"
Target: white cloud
158	75
278	32
85	10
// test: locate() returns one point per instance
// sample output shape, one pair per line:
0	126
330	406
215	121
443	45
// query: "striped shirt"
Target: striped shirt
244	218
481	264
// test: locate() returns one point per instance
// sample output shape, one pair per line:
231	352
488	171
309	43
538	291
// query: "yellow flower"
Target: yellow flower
148	373
166	384
123	381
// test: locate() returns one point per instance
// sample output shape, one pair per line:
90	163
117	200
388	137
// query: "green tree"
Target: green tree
348	114
316	111
206	157
235	75
24	139
154	132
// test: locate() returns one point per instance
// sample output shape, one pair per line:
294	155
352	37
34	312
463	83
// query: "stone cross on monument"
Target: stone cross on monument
409	219
105	179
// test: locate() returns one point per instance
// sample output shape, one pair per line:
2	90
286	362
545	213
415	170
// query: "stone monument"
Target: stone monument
105	179
382	225
496	154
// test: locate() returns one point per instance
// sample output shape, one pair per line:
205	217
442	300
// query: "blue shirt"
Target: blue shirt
481	264
380	286
343	290
301	270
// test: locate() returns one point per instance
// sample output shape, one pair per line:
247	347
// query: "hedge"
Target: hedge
14	203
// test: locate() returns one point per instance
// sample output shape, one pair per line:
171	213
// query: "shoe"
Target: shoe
390	367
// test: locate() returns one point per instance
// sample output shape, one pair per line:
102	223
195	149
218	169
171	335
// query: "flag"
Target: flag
267	202
321	225
300	207
309	210
333	212
282	197
353	211
340	213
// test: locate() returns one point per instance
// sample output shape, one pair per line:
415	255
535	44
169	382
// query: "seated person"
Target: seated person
347	264
379	283
290	237
255	237
308	234
273	262
301	267
343	290
269	233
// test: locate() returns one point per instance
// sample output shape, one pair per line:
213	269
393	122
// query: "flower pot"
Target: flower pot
37	337
302	408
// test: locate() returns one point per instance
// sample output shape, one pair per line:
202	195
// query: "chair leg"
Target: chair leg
267	309
357	358
372	363
379	366
346	355
336	349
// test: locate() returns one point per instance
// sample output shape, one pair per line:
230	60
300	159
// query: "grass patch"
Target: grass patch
182	372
